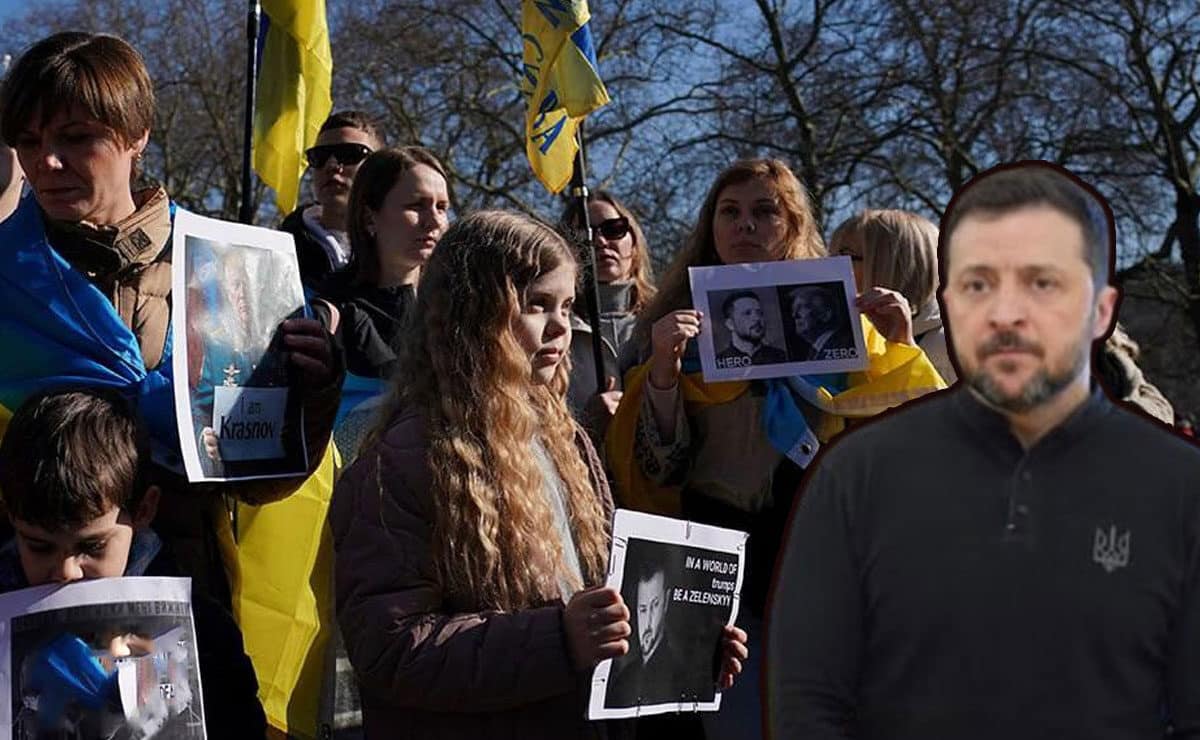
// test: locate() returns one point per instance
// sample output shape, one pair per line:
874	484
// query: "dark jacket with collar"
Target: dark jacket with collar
971	587
425	667
228	683
315	266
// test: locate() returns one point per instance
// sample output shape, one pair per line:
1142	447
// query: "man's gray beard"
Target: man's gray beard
1040	389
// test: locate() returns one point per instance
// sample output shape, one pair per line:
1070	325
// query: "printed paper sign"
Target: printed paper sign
777	319
681	582
250	421
112	657
233	286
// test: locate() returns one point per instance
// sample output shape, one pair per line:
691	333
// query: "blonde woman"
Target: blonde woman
898	250
472	534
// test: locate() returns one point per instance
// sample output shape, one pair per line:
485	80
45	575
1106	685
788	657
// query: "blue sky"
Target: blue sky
10	9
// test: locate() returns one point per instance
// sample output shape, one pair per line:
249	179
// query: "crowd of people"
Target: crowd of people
472	519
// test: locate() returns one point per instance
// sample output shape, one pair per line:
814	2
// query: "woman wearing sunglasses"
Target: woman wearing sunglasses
346	138
399	209
623	272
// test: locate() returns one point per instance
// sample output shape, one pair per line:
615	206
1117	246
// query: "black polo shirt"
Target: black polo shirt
940	581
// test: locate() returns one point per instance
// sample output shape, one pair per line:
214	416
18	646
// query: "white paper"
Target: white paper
250	421
681	582
139	628
795	317
233	285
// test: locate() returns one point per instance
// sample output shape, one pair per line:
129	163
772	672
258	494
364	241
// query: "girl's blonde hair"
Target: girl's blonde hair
899	251
495	544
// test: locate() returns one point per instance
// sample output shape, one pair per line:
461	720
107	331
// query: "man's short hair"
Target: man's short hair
354	119
727	304
647	569
69	456
1010	187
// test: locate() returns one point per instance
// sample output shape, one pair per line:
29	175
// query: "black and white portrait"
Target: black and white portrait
777	319
817	325
748	331
680	596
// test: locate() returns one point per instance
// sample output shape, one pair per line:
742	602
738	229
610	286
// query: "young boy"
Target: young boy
74	478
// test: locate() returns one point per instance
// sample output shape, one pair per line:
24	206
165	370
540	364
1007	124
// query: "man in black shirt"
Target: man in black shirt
1017	557
747	333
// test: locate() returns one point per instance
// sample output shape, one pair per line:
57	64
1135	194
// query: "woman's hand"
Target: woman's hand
597	623
889	311
733	654
603	406
211	444
311	351
668	339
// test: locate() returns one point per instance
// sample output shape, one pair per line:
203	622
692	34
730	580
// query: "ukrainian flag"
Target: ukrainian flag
57	329
560	78
294	81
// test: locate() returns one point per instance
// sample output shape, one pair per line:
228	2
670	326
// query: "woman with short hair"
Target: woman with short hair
898	250
85	272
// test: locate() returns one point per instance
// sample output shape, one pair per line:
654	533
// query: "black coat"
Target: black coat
372	324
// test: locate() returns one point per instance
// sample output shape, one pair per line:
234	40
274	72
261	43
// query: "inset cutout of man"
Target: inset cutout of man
1016	556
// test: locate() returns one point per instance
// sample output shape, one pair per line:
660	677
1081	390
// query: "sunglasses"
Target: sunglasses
347	155
613	228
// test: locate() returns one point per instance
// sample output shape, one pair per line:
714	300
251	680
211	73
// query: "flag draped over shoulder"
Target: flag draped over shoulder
561	81
57	329
897	373
293	99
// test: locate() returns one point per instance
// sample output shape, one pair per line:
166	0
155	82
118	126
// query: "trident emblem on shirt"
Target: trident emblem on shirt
1111	550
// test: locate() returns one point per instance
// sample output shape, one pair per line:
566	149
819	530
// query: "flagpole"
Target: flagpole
592	288
246	213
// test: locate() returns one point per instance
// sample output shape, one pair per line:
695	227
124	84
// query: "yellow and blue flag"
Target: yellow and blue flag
295	79
561	81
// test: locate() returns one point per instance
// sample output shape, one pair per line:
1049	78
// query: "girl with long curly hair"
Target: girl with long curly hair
733	454
472	533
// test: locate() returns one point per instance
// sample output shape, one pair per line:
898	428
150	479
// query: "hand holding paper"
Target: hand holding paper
733	654
311	351
597	623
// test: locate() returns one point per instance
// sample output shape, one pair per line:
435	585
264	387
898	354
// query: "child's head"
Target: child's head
494	305
485	362
73	475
